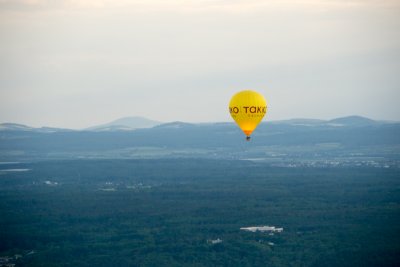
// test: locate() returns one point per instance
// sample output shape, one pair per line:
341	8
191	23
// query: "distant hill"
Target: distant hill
343	121
353	121
133	123
15	127
299	138
174	125
125	124
300	121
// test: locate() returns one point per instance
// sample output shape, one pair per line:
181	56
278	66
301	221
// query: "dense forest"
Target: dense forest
188	212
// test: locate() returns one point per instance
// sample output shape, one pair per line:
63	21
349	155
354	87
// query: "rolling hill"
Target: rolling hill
297	139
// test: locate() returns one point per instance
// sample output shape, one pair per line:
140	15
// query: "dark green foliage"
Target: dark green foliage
165	212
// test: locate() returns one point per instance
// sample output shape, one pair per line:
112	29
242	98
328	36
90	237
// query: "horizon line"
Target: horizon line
202	122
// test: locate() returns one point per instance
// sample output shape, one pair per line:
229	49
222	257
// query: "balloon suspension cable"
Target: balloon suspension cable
248	138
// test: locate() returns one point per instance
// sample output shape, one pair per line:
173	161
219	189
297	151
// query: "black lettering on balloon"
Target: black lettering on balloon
234	110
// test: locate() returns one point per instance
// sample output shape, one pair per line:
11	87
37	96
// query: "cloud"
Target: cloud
121	54
235	6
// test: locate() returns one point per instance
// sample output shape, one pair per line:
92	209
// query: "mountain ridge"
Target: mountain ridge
125	124
136	122
215	140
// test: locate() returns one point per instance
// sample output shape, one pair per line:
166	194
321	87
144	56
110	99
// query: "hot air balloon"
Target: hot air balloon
248	108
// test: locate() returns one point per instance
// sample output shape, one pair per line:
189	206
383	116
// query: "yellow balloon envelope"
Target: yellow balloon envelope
248	108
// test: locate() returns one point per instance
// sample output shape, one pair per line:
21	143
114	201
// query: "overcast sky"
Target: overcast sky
81	63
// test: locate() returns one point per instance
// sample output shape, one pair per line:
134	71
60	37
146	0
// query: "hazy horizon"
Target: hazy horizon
76	64
172	121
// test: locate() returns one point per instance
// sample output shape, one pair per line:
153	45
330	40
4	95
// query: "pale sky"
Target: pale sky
80	63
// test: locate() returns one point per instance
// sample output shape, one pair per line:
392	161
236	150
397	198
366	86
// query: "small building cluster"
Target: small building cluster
8	261
214	241
266	228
